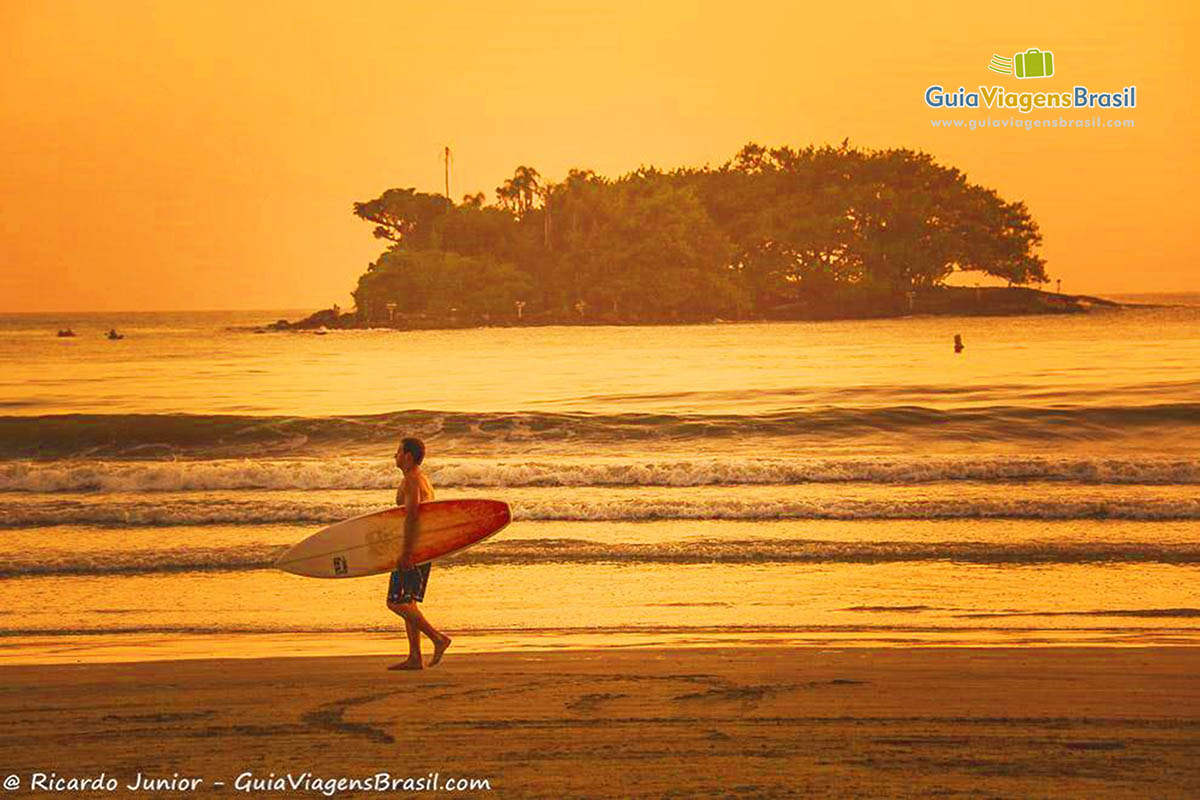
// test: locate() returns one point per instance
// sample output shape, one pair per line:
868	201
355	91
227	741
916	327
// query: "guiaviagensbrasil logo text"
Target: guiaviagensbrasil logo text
1033	63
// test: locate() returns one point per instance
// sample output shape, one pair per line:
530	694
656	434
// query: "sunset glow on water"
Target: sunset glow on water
864	486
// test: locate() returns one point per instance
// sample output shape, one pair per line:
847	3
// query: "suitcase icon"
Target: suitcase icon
1034	63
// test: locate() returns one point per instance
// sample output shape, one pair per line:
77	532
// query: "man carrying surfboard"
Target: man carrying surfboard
407	585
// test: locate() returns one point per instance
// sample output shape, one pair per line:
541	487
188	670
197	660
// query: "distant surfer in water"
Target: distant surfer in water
407	586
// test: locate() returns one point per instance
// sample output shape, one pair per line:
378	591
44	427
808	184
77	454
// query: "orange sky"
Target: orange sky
161	155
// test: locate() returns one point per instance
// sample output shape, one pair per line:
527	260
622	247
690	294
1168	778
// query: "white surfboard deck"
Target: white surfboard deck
370	544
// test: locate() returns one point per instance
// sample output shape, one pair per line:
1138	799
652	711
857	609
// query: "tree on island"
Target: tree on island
829	231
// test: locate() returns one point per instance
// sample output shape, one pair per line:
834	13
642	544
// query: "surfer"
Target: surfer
407	585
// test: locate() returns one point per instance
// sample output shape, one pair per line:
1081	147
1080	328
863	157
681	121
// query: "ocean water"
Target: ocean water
825	484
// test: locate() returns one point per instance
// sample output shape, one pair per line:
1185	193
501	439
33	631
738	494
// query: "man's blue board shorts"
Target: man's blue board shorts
408	585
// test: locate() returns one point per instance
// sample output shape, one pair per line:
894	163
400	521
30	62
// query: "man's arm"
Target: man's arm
412	503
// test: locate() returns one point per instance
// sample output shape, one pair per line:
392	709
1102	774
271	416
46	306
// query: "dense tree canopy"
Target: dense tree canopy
771	232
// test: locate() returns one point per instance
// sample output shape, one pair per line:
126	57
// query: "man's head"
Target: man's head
410	453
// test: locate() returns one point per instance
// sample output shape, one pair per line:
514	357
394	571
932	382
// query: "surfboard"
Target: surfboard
370	544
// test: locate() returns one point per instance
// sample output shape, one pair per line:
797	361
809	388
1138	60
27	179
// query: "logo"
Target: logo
339	565
1033	63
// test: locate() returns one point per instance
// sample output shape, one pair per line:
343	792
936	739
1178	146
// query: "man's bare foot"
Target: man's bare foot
439	649
409	664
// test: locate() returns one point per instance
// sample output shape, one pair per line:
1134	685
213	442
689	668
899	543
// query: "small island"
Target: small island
773	234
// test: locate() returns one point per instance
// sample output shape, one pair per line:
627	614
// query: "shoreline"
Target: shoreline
747	722
947	302
131	648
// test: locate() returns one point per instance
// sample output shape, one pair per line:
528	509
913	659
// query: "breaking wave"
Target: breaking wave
165	435
233	511
347	473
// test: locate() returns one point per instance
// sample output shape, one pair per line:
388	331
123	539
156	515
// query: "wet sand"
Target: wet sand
744	722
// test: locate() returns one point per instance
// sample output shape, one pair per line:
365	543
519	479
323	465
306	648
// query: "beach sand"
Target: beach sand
687	723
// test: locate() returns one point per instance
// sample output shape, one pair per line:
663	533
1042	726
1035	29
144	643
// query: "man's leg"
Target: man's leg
413	632
440	640
414	639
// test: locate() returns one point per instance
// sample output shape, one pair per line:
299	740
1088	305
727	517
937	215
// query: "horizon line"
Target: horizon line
311	308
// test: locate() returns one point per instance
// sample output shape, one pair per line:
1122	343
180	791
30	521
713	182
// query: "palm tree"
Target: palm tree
508	195
518	193
525	179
